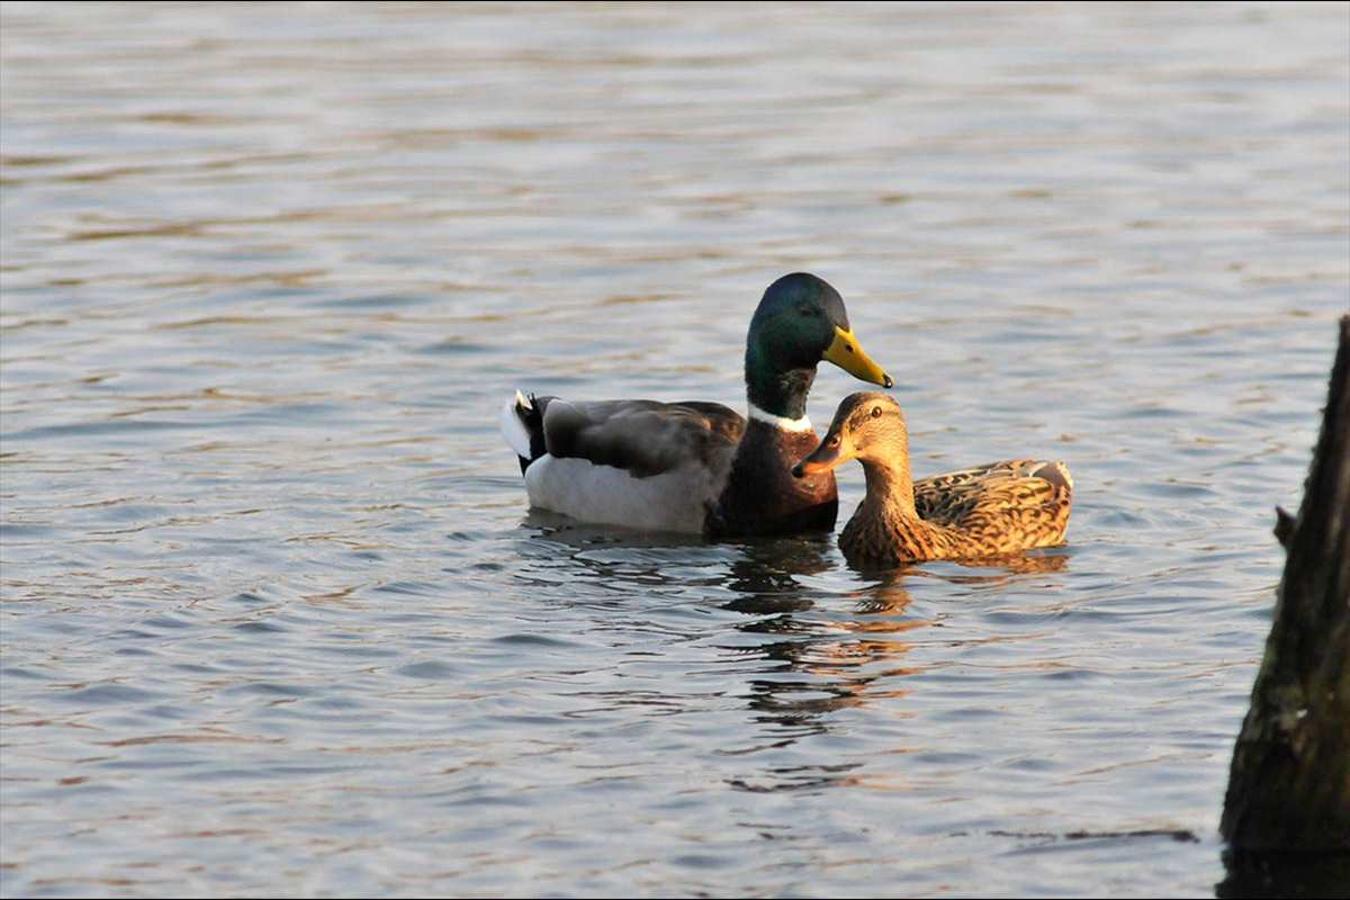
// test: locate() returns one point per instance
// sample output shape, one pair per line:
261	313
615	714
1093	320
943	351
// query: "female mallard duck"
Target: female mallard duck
1002	508
701	467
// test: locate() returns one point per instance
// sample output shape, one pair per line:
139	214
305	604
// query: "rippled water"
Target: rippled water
276	618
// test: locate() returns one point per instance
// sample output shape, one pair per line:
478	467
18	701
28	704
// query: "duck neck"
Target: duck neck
890	487
887	527
775	390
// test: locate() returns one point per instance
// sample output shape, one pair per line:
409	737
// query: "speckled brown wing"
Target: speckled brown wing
946	497
1003	507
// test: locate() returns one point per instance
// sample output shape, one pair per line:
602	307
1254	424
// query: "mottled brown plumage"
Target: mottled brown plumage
993	510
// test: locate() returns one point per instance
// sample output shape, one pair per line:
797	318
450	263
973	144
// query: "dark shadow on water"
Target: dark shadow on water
1284	875
1176	834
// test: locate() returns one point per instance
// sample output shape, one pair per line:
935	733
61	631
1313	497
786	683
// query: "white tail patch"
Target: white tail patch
1067	477
513	429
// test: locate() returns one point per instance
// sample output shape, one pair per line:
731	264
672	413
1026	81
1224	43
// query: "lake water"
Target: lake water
276	617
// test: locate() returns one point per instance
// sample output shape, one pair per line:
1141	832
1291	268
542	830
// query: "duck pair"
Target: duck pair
699	467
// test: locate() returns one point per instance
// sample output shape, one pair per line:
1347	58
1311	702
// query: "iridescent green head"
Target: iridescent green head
800	321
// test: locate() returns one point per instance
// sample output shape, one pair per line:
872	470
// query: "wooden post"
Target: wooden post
1289	785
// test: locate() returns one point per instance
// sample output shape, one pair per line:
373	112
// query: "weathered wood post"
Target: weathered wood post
1289	785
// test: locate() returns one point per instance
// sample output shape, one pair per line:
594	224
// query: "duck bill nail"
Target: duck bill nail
846	353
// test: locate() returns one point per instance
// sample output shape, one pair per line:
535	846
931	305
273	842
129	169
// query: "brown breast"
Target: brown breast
762	497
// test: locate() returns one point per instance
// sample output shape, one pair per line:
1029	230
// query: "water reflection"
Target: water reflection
993	569
765	576
829	651
816	661
817	650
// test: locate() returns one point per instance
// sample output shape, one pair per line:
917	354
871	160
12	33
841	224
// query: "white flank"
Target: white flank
786	424
674	501
512	428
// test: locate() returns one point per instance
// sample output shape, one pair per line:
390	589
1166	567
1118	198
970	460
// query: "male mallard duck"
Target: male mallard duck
701	467
1002	508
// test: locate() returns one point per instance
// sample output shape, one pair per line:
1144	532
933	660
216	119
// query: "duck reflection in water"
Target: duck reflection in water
838	653
817	662
810	648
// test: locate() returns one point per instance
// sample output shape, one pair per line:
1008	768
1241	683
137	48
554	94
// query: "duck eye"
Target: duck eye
876	412
808	311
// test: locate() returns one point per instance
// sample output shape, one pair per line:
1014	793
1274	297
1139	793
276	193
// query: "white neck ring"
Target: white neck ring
780	422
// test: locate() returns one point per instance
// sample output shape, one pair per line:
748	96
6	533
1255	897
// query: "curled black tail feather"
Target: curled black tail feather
531	415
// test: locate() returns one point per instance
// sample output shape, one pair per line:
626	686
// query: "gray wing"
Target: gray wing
643	437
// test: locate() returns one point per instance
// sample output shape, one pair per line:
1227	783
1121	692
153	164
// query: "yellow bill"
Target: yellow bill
846	353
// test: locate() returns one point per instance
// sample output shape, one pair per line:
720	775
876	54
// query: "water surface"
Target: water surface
276	618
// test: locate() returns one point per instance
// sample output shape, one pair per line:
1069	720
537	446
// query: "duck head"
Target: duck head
868	426
800	321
